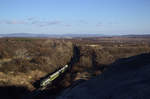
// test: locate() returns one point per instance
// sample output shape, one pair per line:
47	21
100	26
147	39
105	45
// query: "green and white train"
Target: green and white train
52	77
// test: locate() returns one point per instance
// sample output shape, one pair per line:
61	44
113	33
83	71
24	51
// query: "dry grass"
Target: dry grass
23	61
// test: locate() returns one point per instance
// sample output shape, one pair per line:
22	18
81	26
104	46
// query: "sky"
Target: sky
109	17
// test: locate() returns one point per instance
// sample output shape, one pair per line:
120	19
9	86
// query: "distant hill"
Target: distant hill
134	36
49	35
25	35
66	35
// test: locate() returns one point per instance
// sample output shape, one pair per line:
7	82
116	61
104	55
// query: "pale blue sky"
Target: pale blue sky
75	16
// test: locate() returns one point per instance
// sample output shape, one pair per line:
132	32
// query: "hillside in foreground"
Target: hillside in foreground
127	78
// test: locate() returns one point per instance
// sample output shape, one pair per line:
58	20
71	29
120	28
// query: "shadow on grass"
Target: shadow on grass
13	92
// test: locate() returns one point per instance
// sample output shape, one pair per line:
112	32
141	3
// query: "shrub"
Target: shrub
21	53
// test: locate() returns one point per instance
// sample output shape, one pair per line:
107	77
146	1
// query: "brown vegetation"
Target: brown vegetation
25	60
28	55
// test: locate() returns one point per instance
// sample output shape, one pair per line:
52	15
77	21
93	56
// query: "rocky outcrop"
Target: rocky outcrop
127	78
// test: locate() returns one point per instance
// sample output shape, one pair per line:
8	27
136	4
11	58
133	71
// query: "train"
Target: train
47	81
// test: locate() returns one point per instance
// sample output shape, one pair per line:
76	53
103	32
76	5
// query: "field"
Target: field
24	61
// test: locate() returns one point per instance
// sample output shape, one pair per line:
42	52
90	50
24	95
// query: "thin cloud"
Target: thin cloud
45	23
99	24
83	21
31	18
32	21
68	25
13	22
1	22
53	22
36	22
112	23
